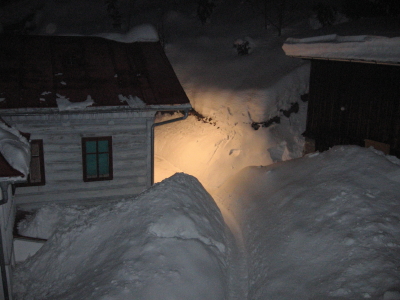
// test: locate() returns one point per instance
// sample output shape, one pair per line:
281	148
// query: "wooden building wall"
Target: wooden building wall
350	102
62	137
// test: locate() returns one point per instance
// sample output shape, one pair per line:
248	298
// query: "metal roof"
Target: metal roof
6	170
36	70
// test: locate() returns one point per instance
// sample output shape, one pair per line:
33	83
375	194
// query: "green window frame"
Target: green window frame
97	158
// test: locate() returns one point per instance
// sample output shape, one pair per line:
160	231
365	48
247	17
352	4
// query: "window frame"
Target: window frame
40	158
84	159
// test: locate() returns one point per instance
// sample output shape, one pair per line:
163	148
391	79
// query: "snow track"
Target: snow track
237	258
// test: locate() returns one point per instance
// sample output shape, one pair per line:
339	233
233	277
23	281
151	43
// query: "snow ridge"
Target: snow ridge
169	240
15	148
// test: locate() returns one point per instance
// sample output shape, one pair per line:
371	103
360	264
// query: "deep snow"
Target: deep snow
325	226
168	243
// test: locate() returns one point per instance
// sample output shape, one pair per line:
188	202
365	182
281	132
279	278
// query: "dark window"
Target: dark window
97	158
36	171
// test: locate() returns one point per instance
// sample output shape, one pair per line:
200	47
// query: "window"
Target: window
97	158
36	171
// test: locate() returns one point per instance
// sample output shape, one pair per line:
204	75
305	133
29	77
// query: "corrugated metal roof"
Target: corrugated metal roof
34	70
6	170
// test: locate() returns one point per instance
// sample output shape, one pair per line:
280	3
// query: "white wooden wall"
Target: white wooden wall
62	134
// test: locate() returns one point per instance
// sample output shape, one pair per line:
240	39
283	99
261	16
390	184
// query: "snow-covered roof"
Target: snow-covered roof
362	48
14	154
373	40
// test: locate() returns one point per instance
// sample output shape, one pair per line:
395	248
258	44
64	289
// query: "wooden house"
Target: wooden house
89	104
353	99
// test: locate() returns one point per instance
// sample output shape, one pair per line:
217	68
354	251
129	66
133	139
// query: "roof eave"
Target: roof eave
12	179
93	110
354	60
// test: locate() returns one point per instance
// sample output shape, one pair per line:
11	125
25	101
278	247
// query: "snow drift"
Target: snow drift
325	226
168	243
15	148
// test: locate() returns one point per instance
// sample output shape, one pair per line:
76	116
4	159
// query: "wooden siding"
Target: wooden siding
62	134
351	102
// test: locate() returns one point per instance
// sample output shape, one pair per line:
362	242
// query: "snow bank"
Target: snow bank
168	243
15	148
362	47
325	226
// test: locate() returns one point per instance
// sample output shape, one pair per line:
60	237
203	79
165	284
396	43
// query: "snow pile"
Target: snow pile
133	101
64	104
45	221
362	47
325	226
168	243
15	149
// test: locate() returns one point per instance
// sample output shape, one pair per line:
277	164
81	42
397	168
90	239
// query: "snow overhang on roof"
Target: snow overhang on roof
360	48
14	154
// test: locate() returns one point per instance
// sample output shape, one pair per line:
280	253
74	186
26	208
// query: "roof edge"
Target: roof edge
375	62
93	110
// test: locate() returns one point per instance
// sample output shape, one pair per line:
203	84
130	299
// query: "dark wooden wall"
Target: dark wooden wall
350	102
